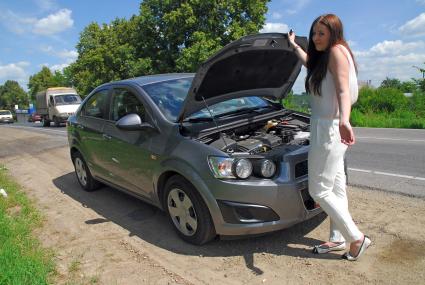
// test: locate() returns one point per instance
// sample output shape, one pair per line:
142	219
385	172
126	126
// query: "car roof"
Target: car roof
149	79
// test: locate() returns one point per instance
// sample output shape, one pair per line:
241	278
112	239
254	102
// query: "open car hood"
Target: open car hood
258	65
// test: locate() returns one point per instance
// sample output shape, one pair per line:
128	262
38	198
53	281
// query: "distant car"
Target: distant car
34	117
6	117
216	149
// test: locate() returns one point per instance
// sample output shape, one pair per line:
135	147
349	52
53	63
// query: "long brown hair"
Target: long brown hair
317	61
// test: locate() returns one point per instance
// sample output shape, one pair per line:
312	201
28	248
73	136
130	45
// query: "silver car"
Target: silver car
216	150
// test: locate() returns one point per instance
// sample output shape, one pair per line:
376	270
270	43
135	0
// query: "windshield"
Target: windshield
67	99
170	95
5	113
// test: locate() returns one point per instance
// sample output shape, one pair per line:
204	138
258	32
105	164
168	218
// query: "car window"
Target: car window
169	95
95	105
123	103
5	113
67	99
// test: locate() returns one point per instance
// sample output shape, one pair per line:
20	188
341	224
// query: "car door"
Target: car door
89	127
129	161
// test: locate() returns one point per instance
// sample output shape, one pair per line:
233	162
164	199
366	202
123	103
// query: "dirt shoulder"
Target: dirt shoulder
107	237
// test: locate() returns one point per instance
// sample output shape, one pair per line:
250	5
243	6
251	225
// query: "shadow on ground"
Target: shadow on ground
151	224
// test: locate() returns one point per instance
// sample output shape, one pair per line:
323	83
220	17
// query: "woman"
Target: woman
332	81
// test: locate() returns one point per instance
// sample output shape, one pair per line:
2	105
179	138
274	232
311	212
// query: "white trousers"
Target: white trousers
327	182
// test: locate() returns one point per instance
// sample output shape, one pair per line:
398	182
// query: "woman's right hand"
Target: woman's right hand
291	38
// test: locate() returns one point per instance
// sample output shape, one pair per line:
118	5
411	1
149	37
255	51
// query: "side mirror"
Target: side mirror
132	122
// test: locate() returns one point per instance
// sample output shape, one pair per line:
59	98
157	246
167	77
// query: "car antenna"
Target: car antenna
215	122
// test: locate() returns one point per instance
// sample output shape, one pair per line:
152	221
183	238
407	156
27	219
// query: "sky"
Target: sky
386	36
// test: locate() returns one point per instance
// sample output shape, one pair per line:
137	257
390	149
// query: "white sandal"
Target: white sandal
365	244
324	248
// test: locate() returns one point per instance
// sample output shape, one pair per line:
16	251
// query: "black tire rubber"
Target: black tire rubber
56	122
46	123
91	183
205	230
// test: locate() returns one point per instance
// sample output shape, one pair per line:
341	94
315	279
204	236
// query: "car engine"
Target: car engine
262	137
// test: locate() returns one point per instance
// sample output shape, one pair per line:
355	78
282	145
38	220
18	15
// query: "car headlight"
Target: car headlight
242	168
267	168
221	166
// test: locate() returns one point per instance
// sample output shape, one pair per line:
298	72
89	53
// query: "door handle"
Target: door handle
105	136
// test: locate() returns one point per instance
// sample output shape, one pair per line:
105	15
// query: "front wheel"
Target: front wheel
187	211
84	176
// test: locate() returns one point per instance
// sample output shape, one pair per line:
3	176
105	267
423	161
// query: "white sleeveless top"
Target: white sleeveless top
326	105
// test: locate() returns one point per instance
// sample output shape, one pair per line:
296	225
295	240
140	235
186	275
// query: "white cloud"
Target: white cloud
16	23
54	23
276	15
14	71
58	67
68	55
46	5
295	6
414	27
351	43
393	59
275	28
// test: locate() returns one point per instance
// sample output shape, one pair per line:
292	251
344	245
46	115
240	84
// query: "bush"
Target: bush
417	103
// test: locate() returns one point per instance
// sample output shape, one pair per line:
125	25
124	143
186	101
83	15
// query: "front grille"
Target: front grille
301	169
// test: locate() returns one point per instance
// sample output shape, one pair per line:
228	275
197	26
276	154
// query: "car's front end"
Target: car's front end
6	117
253	170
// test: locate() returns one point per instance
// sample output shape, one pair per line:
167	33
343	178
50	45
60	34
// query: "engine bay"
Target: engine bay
262	136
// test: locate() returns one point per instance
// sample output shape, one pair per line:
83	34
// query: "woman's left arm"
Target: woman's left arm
339	66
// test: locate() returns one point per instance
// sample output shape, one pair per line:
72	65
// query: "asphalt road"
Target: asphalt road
388	159
383	159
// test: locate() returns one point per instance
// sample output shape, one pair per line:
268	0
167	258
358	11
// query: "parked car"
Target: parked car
34	117
6	117
215	150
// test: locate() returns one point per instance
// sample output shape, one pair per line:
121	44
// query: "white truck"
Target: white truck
57	104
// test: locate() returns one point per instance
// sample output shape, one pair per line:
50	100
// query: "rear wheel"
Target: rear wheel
46	123
56	122
187	211
84	176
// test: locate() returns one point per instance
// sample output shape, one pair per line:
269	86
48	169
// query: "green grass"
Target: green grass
22	259
400	119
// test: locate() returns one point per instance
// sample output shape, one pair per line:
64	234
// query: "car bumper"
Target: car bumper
6	120
258	207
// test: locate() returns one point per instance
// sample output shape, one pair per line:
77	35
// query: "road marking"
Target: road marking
388	174
389	139
38	129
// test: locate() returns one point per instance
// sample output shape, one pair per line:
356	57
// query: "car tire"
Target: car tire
56	122
187	211
83	174
46	123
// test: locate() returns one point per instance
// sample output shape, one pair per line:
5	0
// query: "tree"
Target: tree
179	35
107	53
166	36
391	83
40	81
408	86
11	94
